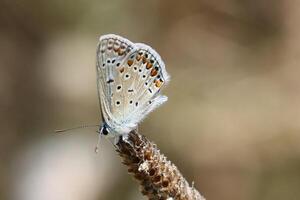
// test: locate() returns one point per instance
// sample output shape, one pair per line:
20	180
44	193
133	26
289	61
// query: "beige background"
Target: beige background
231	123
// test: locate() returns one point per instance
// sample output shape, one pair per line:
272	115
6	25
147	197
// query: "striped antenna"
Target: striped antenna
78	127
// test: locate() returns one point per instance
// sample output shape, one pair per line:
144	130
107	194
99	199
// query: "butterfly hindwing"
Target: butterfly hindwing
148	77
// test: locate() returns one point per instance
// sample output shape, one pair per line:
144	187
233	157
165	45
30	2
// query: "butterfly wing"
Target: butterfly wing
112	51
129	78
148	76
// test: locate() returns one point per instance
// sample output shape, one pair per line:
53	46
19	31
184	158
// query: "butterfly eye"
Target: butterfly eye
104	131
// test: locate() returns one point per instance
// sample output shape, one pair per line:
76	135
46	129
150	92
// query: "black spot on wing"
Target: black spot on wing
110	81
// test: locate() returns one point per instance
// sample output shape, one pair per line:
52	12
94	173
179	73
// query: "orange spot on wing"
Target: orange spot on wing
138	57
158	83
121	52
122	70
130	62
153	72
144	60
149	65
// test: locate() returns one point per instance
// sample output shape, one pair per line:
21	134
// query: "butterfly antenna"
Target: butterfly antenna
78	127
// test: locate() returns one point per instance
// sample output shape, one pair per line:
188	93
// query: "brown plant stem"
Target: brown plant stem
158	177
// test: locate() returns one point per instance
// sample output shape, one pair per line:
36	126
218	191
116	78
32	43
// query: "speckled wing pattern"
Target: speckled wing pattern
129	79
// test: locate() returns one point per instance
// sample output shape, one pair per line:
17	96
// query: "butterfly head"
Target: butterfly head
113	130
104	130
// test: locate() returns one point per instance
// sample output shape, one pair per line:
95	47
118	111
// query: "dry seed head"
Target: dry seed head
158	177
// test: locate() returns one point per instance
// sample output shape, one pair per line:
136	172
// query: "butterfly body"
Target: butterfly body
129	79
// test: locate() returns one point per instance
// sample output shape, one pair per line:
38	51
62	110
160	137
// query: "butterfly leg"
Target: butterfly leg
116	141
98	142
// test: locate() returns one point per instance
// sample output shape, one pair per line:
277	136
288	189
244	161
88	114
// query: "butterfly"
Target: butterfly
130	77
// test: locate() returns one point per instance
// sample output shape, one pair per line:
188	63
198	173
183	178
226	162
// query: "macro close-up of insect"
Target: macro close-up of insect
129	78
129	81
152	100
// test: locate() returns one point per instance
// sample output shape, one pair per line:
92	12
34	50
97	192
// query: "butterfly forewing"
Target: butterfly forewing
111	54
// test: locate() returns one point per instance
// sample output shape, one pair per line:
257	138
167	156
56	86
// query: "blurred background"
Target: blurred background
231	124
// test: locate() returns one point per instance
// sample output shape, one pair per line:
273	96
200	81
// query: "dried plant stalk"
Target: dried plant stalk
158	177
